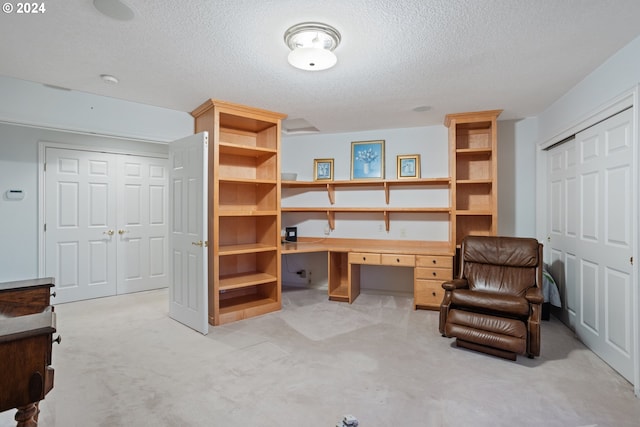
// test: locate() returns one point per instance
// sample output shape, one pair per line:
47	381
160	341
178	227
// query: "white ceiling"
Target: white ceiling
451	55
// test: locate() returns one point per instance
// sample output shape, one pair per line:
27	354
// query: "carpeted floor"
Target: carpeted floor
124	362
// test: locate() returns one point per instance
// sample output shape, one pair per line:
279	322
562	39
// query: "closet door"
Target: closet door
562	220
605	239
591	236
80	222
106	223
142	234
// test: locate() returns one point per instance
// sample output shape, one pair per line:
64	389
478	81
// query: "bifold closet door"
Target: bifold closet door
592	236
106	223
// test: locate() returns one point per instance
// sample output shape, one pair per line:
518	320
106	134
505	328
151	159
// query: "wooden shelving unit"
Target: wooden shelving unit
244	209
474	168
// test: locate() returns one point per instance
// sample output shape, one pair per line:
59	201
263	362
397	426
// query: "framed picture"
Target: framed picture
408	166
323	169
367	159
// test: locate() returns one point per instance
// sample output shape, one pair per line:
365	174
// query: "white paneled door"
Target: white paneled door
142	218
80	214
188	218
592	236
562	220
105	223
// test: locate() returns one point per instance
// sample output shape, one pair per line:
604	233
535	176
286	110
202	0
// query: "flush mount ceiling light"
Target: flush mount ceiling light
114	9
109	79
312	45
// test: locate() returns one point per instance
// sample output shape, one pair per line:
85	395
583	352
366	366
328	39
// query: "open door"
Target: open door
188	298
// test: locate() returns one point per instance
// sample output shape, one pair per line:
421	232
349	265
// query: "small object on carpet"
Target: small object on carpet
348	421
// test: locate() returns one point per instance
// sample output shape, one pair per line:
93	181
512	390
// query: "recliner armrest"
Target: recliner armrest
455	284
534	295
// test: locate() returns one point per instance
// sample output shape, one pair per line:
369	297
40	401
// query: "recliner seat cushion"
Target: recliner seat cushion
497	332
488	301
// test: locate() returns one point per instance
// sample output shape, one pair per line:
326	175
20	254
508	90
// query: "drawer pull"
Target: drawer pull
434	294
364	258
53	295
434	273
397	259
433	261
58	339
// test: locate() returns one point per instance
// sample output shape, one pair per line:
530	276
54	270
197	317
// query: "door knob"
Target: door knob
200	243
121	232
57	340
108	232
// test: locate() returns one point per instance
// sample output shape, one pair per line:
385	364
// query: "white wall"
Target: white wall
516	177
616	75
298	153
35	104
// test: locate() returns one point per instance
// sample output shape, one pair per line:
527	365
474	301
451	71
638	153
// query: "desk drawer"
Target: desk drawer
433	273
399	260
364	258
428	293
437	261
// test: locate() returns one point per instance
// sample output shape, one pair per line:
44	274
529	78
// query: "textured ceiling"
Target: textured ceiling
395	55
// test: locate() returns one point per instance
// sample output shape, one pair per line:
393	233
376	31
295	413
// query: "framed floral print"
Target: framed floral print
408	166
367	159
323	169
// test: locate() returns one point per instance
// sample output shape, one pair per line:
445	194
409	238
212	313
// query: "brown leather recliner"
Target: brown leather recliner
495	304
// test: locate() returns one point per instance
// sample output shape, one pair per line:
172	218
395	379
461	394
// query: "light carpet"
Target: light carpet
124	362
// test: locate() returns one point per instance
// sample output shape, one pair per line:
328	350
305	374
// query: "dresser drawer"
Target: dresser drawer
399	260
438	261
364	258
433	273
428	293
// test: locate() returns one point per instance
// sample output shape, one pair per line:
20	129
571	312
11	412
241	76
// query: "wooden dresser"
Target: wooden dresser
27	326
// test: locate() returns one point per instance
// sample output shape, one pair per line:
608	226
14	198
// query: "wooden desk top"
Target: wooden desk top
24	284
408	247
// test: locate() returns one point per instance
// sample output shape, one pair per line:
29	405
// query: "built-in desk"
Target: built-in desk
432	263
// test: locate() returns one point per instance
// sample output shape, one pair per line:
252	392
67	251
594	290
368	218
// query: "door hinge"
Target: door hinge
631	260
45	228
45	166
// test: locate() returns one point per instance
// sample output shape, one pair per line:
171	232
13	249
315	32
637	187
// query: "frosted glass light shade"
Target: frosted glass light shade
312	58
312	45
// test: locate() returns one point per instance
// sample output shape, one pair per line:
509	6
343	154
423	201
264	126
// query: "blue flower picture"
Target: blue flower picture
367	159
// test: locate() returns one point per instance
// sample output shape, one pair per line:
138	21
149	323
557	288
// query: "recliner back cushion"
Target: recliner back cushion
500	264
505	280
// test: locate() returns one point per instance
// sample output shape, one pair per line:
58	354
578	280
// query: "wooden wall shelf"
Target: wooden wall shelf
387	185
386	212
